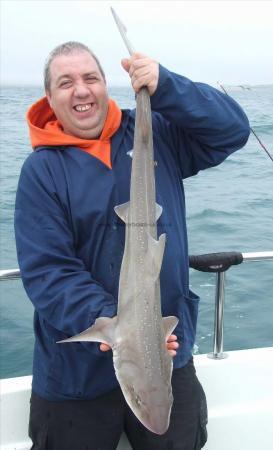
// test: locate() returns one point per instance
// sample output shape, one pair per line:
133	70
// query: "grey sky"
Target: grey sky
230	41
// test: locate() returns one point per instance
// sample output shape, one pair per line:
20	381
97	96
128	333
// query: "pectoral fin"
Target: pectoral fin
169	324
103	331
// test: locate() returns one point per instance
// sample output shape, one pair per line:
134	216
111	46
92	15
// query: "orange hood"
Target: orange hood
45	129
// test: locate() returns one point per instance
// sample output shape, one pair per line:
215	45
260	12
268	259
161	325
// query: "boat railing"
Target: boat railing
10	274
217	263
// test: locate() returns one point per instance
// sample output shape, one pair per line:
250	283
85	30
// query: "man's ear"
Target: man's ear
48	96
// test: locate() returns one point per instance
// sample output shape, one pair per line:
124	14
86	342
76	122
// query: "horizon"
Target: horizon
128	86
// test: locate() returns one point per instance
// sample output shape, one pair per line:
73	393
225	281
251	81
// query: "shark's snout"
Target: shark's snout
159	420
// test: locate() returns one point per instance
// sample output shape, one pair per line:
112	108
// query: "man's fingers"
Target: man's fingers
104	347
146	81
172	345
137	65
172	348
137	60
125	62
143	71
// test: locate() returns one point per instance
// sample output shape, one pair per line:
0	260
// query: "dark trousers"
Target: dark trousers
98	424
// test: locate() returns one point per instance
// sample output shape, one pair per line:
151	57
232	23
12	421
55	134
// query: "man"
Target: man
70	242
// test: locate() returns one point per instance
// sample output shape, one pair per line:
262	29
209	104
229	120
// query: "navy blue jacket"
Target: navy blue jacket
70	241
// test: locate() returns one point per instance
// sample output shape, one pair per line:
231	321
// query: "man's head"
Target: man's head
76	90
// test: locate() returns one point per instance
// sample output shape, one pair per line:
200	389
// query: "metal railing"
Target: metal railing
214	262
11	274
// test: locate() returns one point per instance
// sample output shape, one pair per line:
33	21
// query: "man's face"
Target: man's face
78	94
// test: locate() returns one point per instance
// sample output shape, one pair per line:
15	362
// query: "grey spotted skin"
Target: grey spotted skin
138	333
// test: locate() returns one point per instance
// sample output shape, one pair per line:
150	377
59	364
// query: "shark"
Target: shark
138	333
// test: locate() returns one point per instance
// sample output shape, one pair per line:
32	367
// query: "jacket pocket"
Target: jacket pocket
190	314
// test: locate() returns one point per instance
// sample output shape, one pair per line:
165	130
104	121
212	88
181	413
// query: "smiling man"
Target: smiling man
70	242
77	93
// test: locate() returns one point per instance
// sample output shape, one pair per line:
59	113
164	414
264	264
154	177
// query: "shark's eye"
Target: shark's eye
138	400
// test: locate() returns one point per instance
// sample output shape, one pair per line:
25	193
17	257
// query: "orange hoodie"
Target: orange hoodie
45	129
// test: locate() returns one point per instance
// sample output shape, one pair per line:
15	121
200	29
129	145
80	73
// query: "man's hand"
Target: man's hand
143	71
171	344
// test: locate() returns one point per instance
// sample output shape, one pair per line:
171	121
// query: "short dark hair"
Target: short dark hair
66	49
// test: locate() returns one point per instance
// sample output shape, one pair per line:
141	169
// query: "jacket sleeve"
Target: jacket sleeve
202	125
57	282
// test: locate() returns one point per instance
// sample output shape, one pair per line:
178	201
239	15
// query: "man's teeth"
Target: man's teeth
82	108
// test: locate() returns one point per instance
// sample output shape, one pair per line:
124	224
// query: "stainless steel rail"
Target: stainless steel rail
11	274
257	256
218	341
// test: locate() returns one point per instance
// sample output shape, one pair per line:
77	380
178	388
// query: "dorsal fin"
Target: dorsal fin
123	211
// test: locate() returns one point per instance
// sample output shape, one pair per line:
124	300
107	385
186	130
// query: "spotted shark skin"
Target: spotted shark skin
138	333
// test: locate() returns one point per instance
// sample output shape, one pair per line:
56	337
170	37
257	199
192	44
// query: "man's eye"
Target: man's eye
65	84
91	79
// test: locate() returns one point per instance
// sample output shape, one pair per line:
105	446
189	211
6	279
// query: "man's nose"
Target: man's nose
81	90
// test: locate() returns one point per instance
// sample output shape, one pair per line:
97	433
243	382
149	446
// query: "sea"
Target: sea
229	208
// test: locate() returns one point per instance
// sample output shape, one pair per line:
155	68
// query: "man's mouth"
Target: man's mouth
83	108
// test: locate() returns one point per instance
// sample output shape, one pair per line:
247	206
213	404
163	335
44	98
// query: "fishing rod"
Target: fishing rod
251	129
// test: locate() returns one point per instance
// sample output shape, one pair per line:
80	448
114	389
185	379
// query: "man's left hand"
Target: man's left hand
143	71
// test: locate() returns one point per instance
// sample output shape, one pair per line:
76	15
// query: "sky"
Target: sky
228	41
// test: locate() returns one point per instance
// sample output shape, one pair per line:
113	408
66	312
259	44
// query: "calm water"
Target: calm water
229	207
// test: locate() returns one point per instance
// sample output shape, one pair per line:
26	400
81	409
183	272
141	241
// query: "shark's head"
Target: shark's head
150	402
145	382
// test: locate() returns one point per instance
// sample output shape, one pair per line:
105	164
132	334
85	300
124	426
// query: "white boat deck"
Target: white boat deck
239	392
